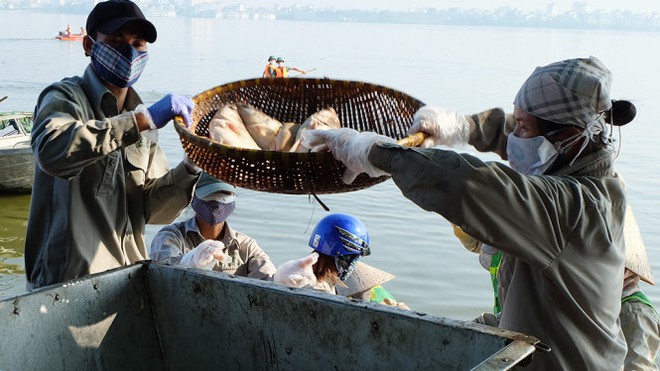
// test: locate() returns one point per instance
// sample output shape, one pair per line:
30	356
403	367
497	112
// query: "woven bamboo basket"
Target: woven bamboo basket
359	105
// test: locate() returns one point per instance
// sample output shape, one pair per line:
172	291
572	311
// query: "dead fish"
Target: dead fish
262	127
286	137
226	127
324	119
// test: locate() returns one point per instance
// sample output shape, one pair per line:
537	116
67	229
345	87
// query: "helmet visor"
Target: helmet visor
353	243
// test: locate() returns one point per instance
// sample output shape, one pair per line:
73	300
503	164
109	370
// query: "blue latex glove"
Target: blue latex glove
171	105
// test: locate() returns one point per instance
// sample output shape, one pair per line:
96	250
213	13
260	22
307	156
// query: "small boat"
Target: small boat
16	161
70	37
152	316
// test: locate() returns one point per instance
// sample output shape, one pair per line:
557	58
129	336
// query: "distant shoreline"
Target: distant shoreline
505	17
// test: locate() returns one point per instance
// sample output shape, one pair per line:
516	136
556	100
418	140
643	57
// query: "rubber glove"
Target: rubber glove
297	273
206	255
444	127
469	242
348	146
171	105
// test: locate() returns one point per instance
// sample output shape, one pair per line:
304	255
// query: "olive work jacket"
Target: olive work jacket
562	235
97	183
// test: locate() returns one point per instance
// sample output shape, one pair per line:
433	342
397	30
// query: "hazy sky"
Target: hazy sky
640	6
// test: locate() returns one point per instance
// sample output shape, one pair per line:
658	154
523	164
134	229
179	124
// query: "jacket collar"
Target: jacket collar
101	98
599	163
228	235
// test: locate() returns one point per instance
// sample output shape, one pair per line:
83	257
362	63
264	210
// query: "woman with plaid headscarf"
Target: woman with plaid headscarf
557	212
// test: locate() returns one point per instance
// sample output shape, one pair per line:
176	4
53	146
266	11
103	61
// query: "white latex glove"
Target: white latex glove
348	146
445	127
297	273
206	255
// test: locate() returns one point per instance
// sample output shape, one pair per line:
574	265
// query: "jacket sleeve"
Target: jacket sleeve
489	201
259	265
168	246
65	140
167	191
489	131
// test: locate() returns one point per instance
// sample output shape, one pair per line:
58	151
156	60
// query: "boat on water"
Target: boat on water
158	317
70	37
16	161
67	35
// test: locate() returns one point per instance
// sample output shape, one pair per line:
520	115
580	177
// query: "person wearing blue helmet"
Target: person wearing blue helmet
339	241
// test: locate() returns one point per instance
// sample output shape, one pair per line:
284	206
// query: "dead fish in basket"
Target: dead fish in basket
262	127
324	119
226	127
286	137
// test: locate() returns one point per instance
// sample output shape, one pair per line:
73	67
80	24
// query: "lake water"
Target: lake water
466	68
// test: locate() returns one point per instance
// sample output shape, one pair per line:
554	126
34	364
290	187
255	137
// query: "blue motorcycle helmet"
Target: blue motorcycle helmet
343	237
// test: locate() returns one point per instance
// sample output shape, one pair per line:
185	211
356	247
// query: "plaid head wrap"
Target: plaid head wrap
572	92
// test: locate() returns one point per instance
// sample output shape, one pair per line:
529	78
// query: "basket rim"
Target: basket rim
301	81
180	124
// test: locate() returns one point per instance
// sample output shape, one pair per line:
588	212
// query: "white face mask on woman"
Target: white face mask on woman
530	156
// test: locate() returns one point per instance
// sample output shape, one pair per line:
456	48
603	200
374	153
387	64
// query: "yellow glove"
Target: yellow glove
469	242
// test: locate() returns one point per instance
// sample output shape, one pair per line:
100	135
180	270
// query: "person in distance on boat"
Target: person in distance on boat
271	68
557	212
98	180
207	241
283	71
338	241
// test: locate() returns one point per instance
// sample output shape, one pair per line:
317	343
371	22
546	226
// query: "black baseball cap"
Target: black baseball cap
109	16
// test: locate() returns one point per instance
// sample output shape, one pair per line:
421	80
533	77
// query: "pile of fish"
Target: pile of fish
244	126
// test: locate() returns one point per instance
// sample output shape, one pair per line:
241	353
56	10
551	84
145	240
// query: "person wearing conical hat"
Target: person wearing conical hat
556	211
271	68
365	284
206	241
338	241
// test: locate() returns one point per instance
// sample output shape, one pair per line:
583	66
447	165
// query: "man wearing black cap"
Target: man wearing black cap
98	178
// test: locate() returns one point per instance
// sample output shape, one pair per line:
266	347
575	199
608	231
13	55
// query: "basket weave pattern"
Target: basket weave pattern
361	106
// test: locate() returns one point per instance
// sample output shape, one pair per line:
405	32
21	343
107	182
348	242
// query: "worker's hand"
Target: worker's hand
444	127
469	242
172	105
297	273
206	255
348	146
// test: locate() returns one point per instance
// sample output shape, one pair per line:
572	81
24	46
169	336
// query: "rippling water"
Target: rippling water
469	69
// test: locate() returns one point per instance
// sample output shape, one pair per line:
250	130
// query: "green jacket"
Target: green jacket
562	236
97	183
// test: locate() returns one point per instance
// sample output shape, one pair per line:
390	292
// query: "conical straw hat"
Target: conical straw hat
636	258
363	278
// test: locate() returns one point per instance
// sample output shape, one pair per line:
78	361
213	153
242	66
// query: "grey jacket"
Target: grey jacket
562	236
97	183
248	259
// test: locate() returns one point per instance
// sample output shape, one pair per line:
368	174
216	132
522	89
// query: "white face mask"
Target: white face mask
530	156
